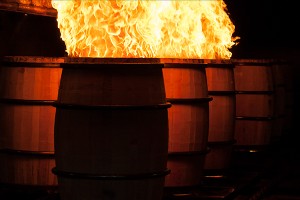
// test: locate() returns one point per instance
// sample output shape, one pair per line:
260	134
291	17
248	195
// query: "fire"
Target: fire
146	28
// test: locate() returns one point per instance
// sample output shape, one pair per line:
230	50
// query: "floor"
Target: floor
273	174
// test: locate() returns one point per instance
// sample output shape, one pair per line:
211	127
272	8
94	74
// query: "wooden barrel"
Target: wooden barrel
219	159
221	87
290	73
186	90
255	102
28	88
111	129
36	7
280	93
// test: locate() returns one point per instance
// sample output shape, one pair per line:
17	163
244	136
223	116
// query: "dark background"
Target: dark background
267	28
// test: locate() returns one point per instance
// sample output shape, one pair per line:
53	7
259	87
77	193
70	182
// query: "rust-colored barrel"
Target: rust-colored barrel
221	87
255	103
111	129
28	88
36	7
186	90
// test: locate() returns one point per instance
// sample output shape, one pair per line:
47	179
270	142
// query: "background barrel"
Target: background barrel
255	103
283	72
186	89
221	87
280	93
111	129
28	88
36	7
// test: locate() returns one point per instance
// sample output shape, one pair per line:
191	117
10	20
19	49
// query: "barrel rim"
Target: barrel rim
221	92
70	106
26	101
189	100
32	59
253	62
249	118
221	65
262	92
27	152
138	176
194	61
120	60
108	60
117	60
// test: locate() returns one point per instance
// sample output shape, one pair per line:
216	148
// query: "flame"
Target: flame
146	28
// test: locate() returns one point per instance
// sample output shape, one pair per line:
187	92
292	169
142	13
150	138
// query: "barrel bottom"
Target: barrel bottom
277	130
186	170
253	132
27	171
79	189
218	160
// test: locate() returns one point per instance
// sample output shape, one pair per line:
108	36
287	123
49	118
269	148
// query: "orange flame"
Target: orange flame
146	28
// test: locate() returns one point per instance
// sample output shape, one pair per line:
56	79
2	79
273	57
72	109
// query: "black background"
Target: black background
267	28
